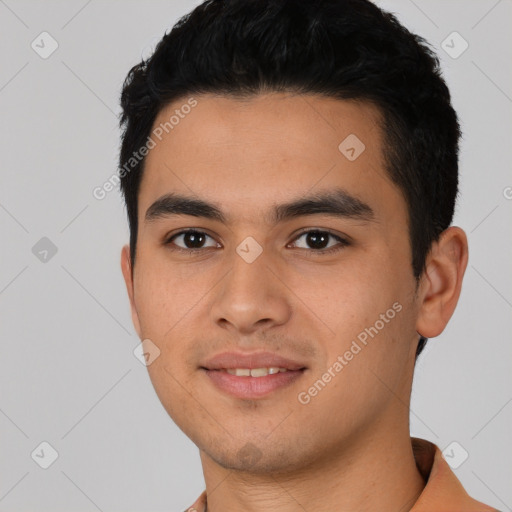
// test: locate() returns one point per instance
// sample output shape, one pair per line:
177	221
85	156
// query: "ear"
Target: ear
126	267
441	283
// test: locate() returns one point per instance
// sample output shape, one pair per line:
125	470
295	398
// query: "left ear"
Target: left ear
441	283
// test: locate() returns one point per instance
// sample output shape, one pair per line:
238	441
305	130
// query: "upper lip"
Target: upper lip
231	360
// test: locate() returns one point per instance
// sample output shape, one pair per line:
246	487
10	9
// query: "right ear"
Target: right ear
126	267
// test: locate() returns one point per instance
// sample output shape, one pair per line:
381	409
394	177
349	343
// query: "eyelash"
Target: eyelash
342	242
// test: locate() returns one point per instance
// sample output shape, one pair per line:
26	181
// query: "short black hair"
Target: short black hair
344	49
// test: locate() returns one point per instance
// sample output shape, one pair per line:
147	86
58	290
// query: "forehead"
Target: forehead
249	154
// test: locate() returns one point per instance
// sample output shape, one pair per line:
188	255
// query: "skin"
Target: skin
349	447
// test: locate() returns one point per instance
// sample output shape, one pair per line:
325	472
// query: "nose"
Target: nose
251	297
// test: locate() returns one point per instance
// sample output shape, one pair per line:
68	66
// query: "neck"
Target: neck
377	472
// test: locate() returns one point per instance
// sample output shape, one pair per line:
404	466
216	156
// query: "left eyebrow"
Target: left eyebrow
336	203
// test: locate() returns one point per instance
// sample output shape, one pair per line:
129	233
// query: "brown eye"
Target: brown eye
191	240
317	241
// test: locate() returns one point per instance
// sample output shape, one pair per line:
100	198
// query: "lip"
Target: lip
251	387
227	360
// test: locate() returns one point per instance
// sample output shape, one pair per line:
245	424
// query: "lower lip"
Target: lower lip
252	387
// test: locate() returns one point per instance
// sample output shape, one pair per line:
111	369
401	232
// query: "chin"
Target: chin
258	458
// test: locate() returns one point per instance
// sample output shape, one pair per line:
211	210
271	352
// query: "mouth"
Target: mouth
251	376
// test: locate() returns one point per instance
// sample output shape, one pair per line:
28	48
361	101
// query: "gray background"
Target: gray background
68	375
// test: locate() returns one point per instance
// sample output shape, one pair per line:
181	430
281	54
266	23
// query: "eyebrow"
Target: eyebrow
336	203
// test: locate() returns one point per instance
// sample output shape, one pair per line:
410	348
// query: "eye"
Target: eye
192	239
319	240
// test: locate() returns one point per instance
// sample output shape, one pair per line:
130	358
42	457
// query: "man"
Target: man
290	174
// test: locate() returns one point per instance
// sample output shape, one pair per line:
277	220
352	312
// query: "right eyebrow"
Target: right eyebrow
176	204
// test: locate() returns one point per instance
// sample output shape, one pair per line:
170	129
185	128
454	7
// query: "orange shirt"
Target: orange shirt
442	493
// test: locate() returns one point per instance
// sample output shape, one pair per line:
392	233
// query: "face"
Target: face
325	284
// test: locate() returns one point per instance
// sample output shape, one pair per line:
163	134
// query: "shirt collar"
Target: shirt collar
443	490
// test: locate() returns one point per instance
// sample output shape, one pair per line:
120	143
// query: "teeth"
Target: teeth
239	372
255	372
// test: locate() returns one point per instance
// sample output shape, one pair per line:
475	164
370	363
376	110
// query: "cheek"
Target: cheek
171	388
368	306
356	296
165	295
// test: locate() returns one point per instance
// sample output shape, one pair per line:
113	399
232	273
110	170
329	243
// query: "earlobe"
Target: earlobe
442	282
126	268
